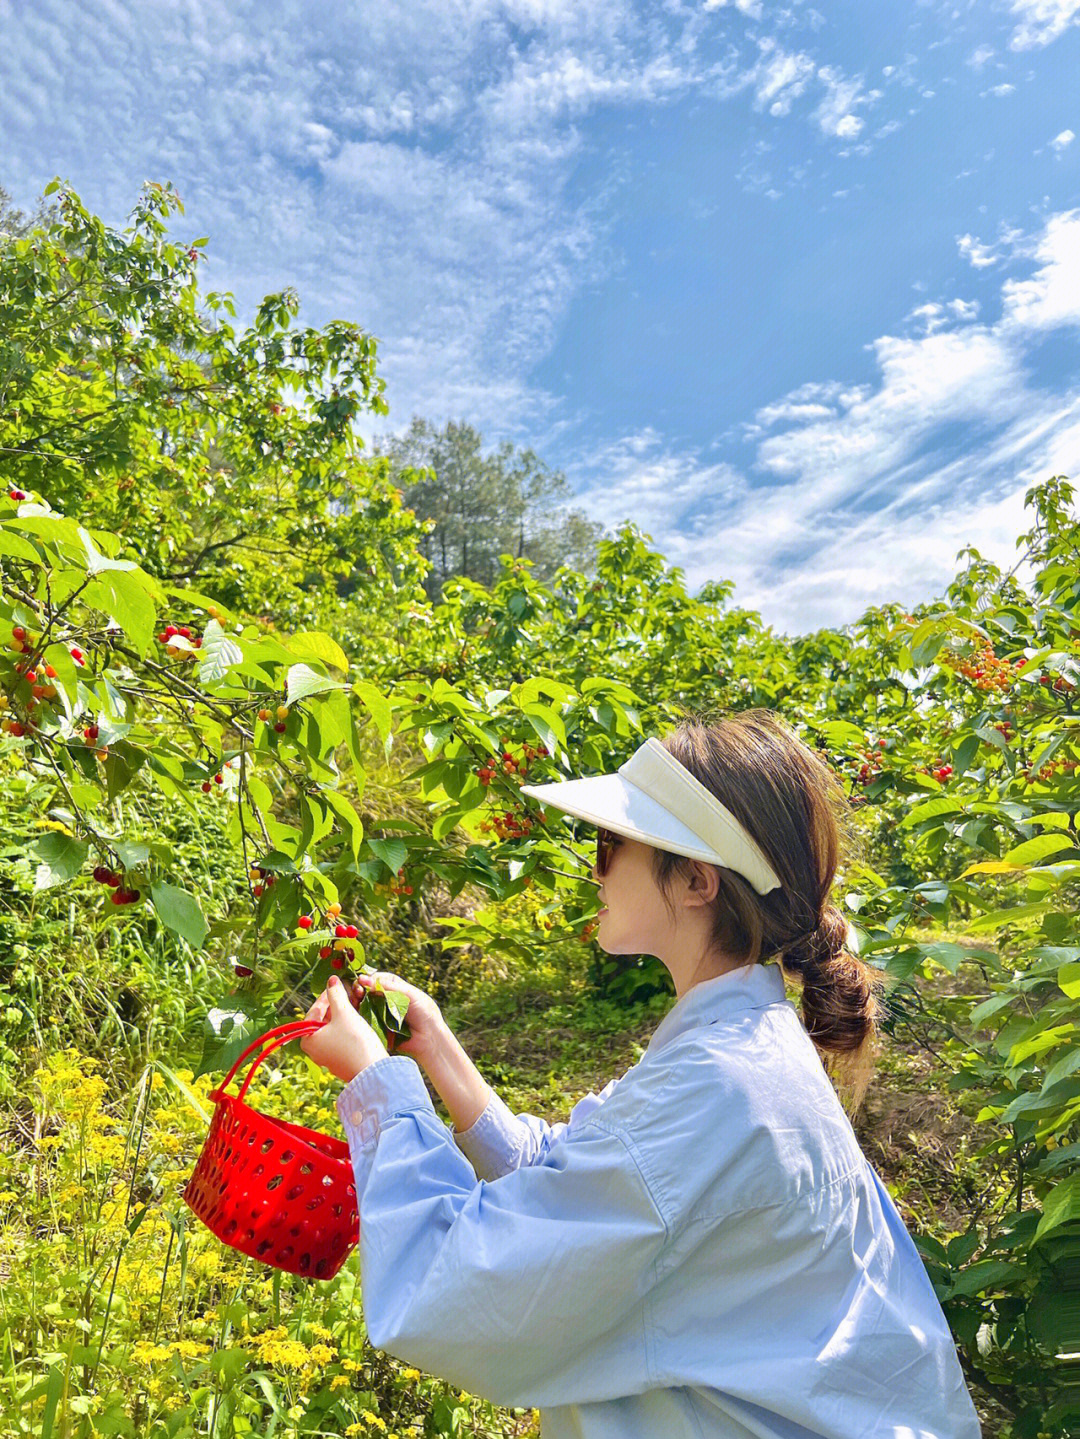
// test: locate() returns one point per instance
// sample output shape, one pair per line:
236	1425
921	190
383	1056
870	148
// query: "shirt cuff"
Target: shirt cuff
390	1086
493	1143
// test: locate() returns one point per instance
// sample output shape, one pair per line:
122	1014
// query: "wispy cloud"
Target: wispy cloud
858	494
1042	21
1062	141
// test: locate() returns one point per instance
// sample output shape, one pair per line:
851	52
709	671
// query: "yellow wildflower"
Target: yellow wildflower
143	1352
340	1381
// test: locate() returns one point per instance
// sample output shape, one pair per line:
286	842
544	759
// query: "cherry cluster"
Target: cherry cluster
871	763
1047	771
282	714
344	935
185	633
517	766
261	879
119	895
984	668
507	825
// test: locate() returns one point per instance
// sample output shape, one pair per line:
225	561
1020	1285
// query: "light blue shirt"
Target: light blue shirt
702	1250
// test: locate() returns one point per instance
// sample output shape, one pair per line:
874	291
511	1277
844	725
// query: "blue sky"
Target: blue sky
794	287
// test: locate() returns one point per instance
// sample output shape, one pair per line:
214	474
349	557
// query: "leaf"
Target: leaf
1061	1206
1018	912
377	705
392	852
18	548
1069	980
314	645
1068	1064
930	809
124	598
986	1274
991	866
343	808
180	912
97	562
302	681
132	853
217	654
228	1032
62	856
1032	850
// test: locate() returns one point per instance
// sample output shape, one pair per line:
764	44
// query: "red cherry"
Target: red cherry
76	654
18	633
16	494
280	727
341	932
30	676
305	921
326	951
243	971
50	672
197	643
219	779
91	732
183	630
117	896
206	786
257	891
337	962
101	874
113	879
170	630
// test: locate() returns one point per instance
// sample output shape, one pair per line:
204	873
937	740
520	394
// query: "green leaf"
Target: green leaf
124	598
302	681
97	562
392	852
1069	980
930	809
227	1032
1032	850
62	856
313	645
377	705
180	912
345	811
987	1274
1013	915
1061	1206
217	654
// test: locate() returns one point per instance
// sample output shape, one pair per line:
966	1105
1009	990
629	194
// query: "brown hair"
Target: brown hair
793	805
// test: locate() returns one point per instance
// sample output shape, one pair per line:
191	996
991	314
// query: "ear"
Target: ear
704	883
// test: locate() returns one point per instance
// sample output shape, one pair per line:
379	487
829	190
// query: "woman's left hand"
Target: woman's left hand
346	1044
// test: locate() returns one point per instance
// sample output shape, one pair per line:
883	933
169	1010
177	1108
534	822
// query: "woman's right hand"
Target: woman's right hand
424	1017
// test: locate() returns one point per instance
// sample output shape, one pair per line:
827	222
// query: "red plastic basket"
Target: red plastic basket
280	1192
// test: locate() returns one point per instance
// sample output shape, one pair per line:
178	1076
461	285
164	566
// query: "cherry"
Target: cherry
283	712
264	715
242	971
16	494
279	727
326	951
206	786
333	910
351	931
170	630
336	962
18	633
341	931
91	732
258	891
30	676
102	874
76	654
219	779
305	921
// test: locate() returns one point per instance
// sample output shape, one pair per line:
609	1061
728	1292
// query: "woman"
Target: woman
702	1250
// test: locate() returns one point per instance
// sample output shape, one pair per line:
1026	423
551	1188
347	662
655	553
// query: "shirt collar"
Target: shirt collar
751	986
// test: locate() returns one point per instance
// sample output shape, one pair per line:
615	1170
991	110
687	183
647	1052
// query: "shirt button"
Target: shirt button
356	1116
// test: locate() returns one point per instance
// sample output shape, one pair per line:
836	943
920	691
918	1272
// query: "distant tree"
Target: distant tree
15	223
483	506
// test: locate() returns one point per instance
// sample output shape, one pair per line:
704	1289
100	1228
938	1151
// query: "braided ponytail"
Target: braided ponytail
840	1005
794	807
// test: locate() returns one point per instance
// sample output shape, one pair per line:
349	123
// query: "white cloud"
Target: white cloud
975	252
1051	297
979	57
1062	141
1042	21
871	490
842	94
752	8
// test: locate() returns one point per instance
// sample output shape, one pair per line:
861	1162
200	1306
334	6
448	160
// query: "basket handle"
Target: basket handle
284	1032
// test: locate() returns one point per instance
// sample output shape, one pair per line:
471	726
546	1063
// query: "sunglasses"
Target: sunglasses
606	844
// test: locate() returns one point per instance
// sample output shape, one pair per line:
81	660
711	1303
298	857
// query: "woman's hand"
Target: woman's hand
346	1044
424	1016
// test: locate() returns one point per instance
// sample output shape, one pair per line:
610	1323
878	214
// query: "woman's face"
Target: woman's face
633	918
